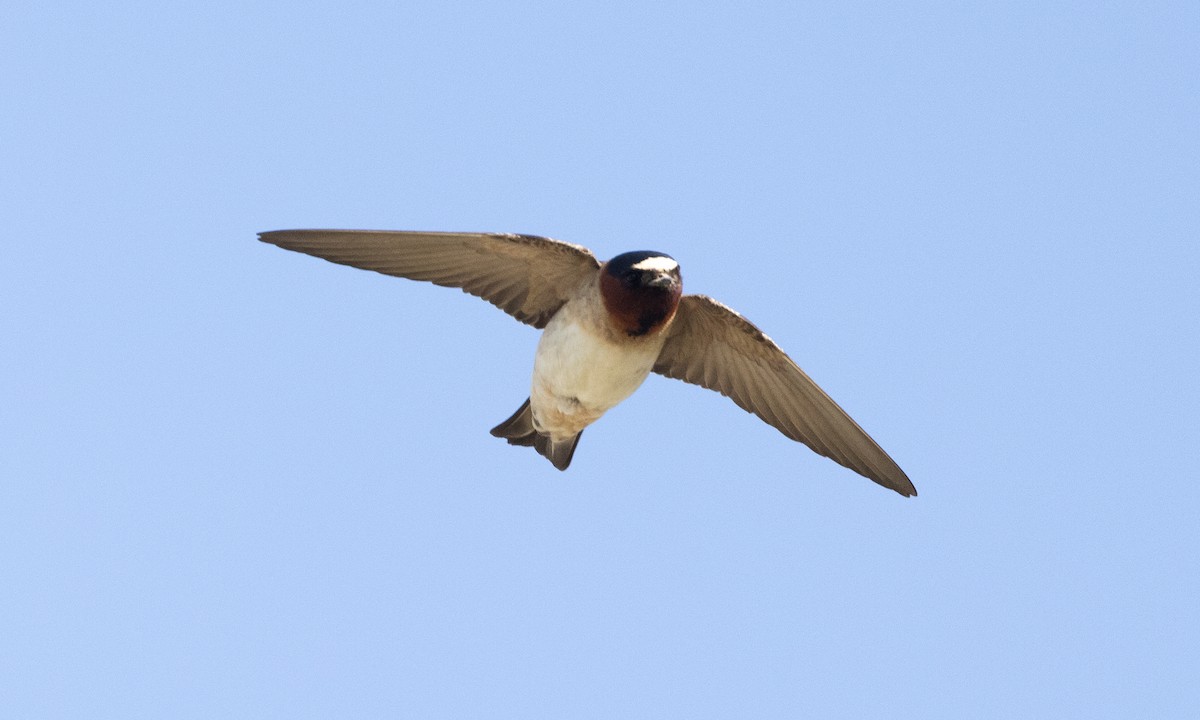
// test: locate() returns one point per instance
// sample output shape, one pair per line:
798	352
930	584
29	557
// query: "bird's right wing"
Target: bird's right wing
526	276
714	347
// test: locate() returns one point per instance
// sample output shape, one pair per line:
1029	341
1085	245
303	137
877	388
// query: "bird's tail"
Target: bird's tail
519	430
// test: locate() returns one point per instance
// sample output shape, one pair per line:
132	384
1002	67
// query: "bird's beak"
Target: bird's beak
661	280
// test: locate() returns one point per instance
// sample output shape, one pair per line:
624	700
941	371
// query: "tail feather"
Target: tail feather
519	430
558	453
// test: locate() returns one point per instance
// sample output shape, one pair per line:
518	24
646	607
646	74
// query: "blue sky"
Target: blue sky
241	482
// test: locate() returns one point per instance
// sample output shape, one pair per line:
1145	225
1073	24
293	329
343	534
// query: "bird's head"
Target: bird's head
641	291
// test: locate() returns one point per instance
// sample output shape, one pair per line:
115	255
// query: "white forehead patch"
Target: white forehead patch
660	263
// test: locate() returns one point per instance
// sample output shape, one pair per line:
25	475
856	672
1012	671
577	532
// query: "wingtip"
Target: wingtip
900	485
286	239
273	236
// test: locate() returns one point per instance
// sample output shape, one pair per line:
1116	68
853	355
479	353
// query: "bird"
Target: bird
605	327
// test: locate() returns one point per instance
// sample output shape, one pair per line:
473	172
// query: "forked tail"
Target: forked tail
519	430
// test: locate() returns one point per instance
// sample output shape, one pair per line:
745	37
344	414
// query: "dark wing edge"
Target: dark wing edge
713	346
527	276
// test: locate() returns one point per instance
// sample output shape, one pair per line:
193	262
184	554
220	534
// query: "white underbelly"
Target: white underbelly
578	375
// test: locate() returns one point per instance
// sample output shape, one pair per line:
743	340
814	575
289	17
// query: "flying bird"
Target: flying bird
605	328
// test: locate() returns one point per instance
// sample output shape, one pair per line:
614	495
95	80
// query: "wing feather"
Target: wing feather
714	347
526	276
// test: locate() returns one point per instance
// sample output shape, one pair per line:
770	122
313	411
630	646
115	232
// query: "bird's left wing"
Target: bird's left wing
526	276
712	346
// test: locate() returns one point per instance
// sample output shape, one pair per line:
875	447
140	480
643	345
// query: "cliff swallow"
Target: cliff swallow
605	327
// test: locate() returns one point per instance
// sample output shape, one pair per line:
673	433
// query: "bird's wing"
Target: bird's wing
714	347
526	276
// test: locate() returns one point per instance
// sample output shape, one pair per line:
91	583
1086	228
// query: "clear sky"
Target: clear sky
242	482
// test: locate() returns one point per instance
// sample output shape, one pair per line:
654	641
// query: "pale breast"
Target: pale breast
581	372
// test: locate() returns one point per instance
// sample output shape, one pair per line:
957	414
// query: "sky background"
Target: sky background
242	482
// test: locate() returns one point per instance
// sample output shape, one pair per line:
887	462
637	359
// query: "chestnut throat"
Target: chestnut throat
638	310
